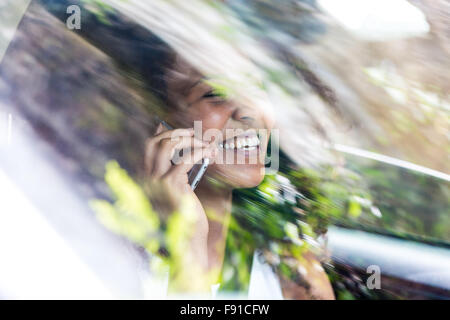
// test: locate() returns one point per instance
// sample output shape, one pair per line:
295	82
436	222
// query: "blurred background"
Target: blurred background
362	99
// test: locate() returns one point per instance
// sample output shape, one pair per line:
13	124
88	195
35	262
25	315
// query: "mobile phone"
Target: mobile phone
197	171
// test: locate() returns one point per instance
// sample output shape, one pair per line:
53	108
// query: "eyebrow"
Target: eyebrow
194	84
201	80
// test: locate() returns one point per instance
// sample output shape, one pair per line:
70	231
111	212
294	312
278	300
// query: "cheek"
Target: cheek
211	117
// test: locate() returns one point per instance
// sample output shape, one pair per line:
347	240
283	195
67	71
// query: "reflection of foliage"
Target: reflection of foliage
283	217
410	203
131	215
224	91
351	285
100	9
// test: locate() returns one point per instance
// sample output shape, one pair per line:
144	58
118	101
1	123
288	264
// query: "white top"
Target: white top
264	284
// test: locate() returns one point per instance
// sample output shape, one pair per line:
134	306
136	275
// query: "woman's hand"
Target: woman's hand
168	184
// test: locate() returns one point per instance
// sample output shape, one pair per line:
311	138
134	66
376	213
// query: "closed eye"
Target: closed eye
217	96
211	94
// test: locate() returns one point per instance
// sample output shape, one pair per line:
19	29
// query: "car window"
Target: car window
358	99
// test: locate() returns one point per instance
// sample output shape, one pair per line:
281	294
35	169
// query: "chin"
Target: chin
241	176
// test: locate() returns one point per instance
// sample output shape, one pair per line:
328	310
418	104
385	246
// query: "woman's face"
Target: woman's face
241	129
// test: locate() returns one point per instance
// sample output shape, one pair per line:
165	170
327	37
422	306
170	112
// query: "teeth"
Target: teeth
242	143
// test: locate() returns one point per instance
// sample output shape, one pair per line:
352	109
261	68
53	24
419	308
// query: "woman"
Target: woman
236	154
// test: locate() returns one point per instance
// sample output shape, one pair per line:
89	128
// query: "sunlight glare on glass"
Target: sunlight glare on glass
377	20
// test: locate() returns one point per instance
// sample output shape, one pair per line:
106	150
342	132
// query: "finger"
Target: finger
165	134
151	149
150	154
189	142
163	156
182	132
161	132
166	151
191	159
160	129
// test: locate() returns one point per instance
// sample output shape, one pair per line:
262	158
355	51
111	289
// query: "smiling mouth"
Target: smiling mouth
243	142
